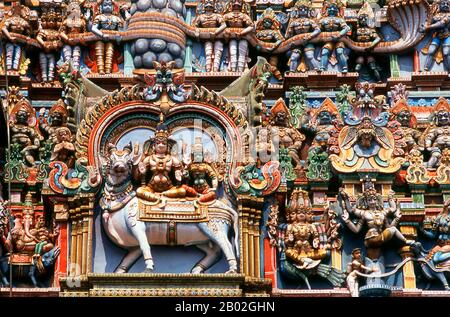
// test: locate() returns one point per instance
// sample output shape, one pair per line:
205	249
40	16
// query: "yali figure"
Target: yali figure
73	24
333	21
440	24
238	16
16	21
268	30
209	18
366	33
301	21
106	20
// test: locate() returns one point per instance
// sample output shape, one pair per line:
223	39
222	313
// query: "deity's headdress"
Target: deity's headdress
245	6
303	3
28	209
369	192
299	202
268	14
402	105
97	7
162	130
280	106
197	147
23	105
329	3
59	107
441	105
366	9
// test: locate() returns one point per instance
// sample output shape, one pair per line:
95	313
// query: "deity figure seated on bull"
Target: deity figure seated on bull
164	176
135	223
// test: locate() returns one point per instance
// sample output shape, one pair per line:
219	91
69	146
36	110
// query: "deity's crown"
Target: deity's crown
399	106
441	105
197	147
329	3
268	14
338	3
328	105
280	106
366	9
28	205
299	202
23	105
60	107
369	189
162	131
303	3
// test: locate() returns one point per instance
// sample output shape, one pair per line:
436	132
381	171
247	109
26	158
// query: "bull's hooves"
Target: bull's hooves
231	272
148	271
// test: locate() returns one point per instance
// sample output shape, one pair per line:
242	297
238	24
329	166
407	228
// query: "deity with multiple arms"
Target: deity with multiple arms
370	210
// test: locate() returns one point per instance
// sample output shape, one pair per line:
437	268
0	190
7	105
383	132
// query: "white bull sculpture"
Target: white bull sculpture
121	223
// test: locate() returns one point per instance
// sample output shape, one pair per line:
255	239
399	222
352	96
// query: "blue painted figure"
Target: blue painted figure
333	21
440	230
440	24
301	22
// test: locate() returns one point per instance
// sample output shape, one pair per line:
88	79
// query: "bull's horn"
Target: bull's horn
110	147
128	148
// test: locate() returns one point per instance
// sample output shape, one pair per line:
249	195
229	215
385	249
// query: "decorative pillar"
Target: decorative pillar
416	63
61	217
250	217
257	242
409	278
250	244
336	259
73	248
79	257
243	217
270	260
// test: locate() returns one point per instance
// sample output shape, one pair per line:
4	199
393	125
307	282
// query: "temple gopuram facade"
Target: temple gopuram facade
225	148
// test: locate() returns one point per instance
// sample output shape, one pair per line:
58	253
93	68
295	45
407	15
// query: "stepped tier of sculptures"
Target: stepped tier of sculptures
107	37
